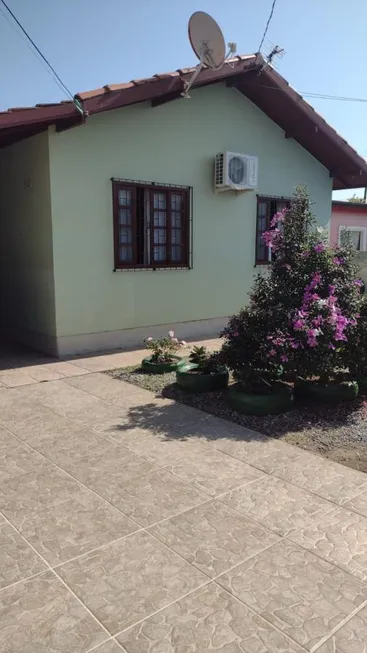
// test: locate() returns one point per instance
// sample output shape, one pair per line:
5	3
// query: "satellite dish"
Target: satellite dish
207	40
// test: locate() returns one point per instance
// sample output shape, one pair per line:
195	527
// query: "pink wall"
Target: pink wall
348	216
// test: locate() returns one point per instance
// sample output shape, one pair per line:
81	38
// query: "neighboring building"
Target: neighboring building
110	229
350	217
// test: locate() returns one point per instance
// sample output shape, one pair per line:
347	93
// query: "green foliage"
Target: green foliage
164	348
207	362
302	314
356	200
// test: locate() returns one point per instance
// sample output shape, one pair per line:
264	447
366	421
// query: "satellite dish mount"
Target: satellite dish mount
207	41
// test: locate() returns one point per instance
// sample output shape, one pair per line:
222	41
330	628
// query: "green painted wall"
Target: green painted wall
26	260
173	143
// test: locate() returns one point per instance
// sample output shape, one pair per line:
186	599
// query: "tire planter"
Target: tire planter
280	401
161	368
201	382
327	393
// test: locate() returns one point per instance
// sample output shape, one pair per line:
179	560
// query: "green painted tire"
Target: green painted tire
327	393
280	401
201	382
161	368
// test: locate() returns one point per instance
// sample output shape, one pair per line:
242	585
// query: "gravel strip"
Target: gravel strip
336	432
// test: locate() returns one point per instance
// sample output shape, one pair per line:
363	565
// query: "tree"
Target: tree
356	200
301	315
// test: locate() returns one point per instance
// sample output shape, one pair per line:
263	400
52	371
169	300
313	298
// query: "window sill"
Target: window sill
162	268
262	264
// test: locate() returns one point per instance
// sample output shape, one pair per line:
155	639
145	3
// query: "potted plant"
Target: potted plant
163	359
203	373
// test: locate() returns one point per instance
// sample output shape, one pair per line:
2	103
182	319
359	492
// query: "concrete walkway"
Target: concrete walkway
131	523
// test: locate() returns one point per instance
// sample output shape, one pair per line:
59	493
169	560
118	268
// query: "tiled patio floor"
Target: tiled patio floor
130	523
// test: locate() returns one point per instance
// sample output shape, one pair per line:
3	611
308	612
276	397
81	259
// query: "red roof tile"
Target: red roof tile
248	73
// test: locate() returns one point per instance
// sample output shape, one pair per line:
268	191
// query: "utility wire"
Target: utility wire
267	25
12	25
317	96
36	48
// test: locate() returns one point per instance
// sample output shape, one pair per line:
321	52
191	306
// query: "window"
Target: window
151	225
266	209
356	235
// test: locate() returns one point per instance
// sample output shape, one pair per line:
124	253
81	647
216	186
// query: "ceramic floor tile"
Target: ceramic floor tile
41	616
17	558
211	471
32	422
359	504
340	537
213	538
278	505
129	580
75	527
78	444
30	494
112	390
323	477
303	595
71	402
207	620
159	449
152	497
108	470
19	459
67	369
351	638
14	378
260	451
7	440
108	647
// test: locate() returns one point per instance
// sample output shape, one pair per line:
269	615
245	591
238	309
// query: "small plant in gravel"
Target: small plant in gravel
164	349
206	362
302	316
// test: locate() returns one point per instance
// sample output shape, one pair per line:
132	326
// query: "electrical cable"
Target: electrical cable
267	25
36	48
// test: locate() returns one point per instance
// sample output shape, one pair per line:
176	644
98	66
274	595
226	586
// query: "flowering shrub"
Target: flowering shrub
164	348
302	316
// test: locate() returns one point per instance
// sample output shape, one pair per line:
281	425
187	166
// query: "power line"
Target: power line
318	96
2	12
267	25
36	48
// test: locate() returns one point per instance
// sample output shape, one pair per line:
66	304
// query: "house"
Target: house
110	229
351	217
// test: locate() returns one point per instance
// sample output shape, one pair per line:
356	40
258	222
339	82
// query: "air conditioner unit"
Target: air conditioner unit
237	172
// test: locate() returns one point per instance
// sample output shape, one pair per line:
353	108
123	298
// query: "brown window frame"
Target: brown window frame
142	225
272	208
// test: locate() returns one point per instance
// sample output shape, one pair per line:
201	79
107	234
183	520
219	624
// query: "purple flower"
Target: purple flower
331	346
235	334
358	282
332	289
298	325
284	358
305	254
272	352
337	260
319	248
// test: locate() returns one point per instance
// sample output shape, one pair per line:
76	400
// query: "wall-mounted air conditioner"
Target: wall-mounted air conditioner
237	172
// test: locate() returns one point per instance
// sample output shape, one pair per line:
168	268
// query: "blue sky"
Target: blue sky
95	42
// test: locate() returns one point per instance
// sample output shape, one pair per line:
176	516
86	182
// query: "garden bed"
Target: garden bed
337	432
